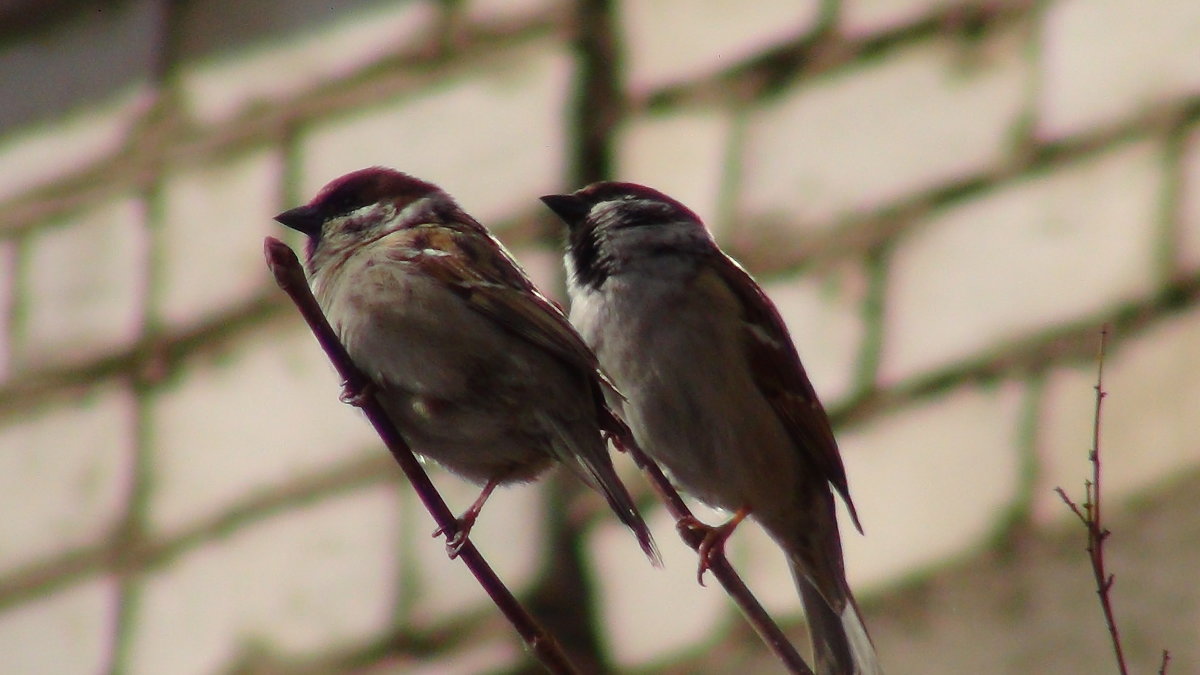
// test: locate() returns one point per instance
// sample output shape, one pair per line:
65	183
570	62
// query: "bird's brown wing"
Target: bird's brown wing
497	287
781	378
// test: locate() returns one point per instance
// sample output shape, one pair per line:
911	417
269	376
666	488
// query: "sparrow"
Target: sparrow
714	390
478	370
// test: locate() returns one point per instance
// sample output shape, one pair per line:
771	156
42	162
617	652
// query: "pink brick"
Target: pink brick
824	315
1187	253
263	413
863	17
220	87
1102	61
440	134
34	637
301	583
65	470
1040	252
671	40
952	461
214	221
863	138
84	287
640	602
42	155
8	271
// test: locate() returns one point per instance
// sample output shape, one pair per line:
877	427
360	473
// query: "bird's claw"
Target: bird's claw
356	397
707	543
455	541
712	544
464	523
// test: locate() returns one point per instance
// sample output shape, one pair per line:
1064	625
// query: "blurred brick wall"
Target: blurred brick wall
947	199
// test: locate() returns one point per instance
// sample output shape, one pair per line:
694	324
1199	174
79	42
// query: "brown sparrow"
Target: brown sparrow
478	370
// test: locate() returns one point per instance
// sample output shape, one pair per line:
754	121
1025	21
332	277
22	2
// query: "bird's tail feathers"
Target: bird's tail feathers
622	504
841	644
595	468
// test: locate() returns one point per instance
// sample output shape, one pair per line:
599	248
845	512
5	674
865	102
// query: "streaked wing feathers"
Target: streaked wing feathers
781	377
495	286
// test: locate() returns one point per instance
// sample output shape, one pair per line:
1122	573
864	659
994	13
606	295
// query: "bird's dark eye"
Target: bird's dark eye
643	214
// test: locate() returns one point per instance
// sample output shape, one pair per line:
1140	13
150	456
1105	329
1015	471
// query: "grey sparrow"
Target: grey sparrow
714	390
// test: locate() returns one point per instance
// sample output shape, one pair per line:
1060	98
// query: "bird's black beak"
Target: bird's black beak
570	208
304	219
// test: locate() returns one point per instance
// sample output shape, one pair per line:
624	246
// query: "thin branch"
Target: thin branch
1090	514
290	276
758	618
1097	533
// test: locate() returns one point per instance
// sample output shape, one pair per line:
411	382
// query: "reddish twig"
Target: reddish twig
1090	515
290	276
758	618
1166	658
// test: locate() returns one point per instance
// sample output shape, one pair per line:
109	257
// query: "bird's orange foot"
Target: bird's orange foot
712	546
464	523
356	397
462	530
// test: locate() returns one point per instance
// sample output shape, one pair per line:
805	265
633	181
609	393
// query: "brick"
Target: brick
544	265
488	653
824	316
73	90
862	17
1105	60
1043	251
669	41
503	121
66	470
1187	253
219	87
640	604
67	114
118	46
83	288
214	221
254	418
53	151
318	576
1149	430
862	138
68	631
487	11
8	270
952	462
683	154
509	534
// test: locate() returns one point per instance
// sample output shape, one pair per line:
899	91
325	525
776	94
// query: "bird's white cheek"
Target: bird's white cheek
572	275
587	312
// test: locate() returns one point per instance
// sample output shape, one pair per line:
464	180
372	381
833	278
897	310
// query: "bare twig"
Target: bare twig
758	618
1166	659
1090	515
290	276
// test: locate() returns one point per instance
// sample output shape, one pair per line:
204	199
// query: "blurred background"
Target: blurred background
946	199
